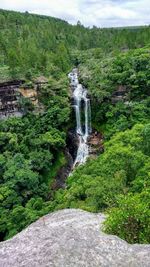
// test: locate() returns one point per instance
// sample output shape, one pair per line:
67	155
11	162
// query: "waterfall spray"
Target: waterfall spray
82	130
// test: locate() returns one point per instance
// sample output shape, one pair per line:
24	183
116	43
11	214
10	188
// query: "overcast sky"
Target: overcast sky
102	13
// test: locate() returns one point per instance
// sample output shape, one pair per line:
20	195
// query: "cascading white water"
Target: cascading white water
83	131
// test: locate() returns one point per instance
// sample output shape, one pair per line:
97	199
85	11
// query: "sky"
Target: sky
101	13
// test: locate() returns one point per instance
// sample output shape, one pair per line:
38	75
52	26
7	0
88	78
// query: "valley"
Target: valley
74	100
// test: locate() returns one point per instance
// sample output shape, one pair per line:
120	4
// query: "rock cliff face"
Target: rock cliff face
9	99
12	91
71	238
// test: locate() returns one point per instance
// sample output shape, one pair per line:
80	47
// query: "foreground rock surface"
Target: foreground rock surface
70	238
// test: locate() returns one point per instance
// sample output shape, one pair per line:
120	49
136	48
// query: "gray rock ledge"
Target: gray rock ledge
70	238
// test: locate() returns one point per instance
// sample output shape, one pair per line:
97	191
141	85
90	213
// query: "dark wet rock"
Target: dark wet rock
63	172
120	94
72	143
71	238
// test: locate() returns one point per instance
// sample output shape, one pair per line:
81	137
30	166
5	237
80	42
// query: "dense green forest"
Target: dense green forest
31	44
118	181
32	147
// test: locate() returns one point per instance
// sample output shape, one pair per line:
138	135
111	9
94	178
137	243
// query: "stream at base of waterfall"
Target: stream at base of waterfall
83	129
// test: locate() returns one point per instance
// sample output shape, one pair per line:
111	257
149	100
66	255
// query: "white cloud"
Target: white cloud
105	13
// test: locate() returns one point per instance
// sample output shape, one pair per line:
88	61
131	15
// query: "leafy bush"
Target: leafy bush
130	220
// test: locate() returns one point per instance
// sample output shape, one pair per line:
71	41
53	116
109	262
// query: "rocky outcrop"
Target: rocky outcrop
72	143
71	238
96	143
12	91
120	94
30	94
70	153
9	96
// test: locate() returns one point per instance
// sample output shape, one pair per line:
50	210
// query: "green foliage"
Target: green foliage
131	218
33	44
51	174
119	88
117	180
31	154
127	152
25	104
146	137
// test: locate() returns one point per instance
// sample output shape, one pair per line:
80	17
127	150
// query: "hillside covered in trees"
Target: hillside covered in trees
32	45
114	66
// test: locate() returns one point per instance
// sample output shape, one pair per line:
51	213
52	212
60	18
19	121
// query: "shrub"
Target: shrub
130	220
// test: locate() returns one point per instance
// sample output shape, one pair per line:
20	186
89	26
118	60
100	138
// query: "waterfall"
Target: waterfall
83	129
